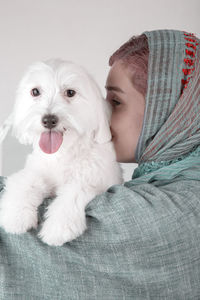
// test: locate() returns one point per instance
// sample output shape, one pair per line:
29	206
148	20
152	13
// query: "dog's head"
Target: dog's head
54	96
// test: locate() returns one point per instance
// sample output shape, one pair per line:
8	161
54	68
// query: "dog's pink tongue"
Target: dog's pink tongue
50	141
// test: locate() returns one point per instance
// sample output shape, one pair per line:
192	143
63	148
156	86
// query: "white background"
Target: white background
86	32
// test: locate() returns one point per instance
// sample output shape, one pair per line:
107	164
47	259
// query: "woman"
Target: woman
143	237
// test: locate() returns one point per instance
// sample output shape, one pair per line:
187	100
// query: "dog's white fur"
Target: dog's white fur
83	167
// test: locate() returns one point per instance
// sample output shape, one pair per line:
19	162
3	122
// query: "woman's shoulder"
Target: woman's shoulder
145	208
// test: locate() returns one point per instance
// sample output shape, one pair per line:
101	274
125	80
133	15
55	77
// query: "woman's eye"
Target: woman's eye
115	102
35	92
69	93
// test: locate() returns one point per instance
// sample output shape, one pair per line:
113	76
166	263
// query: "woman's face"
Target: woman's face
127	113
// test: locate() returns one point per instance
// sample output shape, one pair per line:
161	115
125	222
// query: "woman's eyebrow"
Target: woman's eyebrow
114	88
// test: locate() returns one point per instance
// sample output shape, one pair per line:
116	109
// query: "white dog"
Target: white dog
59	109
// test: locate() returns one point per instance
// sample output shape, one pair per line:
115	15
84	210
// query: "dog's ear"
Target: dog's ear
103	133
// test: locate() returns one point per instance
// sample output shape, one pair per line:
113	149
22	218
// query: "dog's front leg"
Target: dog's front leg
65	218
24	192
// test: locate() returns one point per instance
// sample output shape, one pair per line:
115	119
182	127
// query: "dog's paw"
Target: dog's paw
60	230
18	220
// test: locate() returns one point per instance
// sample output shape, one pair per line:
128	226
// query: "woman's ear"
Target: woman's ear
103	133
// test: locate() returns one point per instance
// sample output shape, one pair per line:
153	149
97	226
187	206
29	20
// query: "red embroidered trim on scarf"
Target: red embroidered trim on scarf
191	44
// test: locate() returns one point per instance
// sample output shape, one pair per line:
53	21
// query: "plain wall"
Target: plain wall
86	32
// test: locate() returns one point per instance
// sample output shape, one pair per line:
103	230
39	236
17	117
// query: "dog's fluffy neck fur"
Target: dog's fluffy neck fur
73	146
75	151
80	155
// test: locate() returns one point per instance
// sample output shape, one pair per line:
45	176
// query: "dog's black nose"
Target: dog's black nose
49	121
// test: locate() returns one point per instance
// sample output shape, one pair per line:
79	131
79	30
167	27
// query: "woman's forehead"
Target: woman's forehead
118	78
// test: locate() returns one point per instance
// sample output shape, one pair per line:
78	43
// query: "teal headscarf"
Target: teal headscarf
143	237
171	122
171	127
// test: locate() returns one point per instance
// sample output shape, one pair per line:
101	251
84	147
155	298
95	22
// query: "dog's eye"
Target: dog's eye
35	92
69	93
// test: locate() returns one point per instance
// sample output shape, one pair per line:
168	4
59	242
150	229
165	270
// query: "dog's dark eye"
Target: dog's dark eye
69	93
35	92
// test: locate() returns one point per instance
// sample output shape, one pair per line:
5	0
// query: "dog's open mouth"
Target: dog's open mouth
50	141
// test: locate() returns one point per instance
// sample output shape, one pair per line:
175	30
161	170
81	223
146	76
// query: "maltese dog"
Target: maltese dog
59	109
